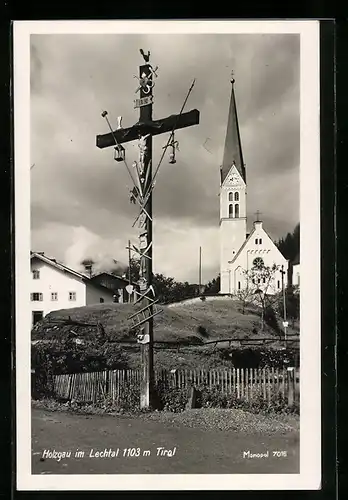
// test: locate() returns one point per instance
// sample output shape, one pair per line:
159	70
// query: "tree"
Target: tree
167	290
290	245
292	303
163	287
246	296
134	270
260	285
213	286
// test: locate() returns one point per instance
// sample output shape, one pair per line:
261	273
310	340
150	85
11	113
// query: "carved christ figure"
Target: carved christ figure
143	150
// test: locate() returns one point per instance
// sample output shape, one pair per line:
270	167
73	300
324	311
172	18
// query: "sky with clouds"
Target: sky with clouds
80	196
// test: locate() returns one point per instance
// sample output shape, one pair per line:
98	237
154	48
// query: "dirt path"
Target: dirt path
196	450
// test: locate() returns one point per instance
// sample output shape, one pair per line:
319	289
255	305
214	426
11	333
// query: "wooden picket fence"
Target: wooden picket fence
241	383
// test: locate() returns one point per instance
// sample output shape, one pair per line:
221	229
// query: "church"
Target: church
244	258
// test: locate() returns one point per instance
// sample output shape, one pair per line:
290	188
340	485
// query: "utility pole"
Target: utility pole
129	262
200	271
285	323
143	131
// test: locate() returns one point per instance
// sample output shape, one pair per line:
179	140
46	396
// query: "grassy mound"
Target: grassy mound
206	321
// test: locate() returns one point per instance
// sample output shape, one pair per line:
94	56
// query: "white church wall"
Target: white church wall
232	228
296	275
259	245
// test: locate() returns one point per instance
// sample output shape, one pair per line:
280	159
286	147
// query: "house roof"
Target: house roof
61	267
58	265
115	276
233	147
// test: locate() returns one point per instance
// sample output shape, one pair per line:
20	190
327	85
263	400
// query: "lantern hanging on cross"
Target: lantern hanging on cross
119	153
175	147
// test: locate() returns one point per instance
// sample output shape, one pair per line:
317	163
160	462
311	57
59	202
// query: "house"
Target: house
55	286
296	271
117	284
240	253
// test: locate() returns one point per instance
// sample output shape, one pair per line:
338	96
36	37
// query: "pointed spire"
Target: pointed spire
233	147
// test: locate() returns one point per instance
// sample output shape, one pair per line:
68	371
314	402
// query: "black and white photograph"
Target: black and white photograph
167	254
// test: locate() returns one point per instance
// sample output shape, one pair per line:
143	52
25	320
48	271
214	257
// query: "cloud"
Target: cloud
76	185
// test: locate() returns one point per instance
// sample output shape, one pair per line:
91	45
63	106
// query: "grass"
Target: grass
198	323
220	319
209	441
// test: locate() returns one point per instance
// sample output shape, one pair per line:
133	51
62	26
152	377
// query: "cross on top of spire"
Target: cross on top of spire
258	213
232	77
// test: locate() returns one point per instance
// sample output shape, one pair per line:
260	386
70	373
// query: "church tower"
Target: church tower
232	197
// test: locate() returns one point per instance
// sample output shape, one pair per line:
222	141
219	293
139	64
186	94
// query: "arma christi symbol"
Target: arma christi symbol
145	83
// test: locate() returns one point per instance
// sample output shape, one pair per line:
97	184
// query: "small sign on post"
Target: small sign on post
144	101
291	386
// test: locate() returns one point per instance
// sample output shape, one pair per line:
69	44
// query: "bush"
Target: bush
270	319
212	398
259	357
72	358
170	398
128	401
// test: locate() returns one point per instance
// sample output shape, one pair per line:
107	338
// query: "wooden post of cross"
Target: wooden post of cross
143	131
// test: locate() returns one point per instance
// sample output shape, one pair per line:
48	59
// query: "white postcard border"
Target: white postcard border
310	380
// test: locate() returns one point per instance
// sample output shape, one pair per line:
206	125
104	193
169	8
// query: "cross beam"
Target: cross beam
154	127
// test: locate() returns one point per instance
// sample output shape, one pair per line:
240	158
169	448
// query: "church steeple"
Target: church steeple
233	147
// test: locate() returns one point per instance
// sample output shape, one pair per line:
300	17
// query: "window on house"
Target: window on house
256	241
236	196
37	316
101	300
36	274
260	241
72	295
230	196
54	296
236	210
230	211
36	297
278	284
264	280
259	280
238	285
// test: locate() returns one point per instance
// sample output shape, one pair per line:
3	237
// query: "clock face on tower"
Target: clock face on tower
233	179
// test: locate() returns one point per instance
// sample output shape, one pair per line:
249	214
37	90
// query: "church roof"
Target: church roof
233	147
257	224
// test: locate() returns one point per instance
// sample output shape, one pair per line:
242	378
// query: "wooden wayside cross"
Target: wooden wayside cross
143	131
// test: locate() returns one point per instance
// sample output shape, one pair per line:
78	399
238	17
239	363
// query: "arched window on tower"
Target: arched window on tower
236	196
236	210
230	211
230	196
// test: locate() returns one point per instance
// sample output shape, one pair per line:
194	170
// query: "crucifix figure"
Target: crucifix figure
143	131
143	150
